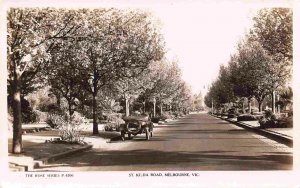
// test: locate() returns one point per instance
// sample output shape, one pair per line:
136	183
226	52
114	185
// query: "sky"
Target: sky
203	36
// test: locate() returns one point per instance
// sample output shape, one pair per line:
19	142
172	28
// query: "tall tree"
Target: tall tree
64	77
31	34
253	71
183	101
133	87
167	79
117	44
273	29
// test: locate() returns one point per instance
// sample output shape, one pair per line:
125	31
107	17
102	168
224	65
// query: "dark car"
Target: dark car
135	125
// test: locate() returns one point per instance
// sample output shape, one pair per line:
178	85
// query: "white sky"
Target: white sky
202	36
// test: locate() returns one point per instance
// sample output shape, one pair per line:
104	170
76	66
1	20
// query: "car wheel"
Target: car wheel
147	134
123	135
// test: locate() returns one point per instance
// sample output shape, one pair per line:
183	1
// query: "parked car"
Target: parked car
135	125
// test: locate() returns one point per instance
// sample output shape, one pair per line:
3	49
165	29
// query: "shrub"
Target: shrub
224	114
166	115
114	121
231	116
28	114
155	119
246	117
70	131
289	122
270	120
178	114
42	116
55	120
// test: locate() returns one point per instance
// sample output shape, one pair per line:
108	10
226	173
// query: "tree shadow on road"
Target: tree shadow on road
211	131
216	159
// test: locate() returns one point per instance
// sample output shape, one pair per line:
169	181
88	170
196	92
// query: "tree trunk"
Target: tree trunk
243	106
144	107
95	119
278	105
273	101
154	108
58	99
260	106
212	106
161	108
70	108
17	115
127	106
249	106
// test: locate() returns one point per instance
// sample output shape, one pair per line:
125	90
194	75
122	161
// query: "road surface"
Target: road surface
196	142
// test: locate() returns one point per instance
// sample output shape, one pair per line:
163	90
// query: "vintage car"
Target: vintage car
135	125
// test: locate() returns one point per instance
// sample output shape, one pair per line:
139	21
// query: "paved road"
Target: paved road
196	142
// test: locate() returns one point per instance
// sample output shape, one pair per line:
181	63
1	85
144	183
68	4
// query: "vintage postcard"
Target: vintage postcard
149	93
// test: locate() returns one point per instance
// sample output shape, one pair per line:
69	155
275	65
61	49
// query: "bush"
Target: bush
270	120
177	114
70	130
166	115
289	122
155	119
246	117
114	121
28	114
233	113
231	116
53	108
42	116
55	120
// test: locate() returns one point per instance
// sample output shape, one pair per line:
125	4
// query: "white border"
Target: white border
121	179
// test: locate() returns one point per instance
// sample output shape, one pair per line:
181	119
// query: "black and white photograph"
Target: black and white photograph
158	92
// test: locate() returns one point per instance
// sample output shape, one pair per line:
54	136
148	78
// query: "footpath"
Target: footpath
281	135
37	151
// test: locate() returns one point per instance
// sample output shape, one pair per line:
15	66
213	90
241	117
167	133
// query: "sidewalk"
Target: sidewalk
284	131
282	135
37	152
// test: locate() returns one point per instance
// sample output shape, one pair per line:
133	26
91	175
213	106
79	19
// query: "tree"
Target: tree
197	102
64	76
221	90
117	45
183	101
286	97
253	71
167	78
31	35
226	85
273	29
132	87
